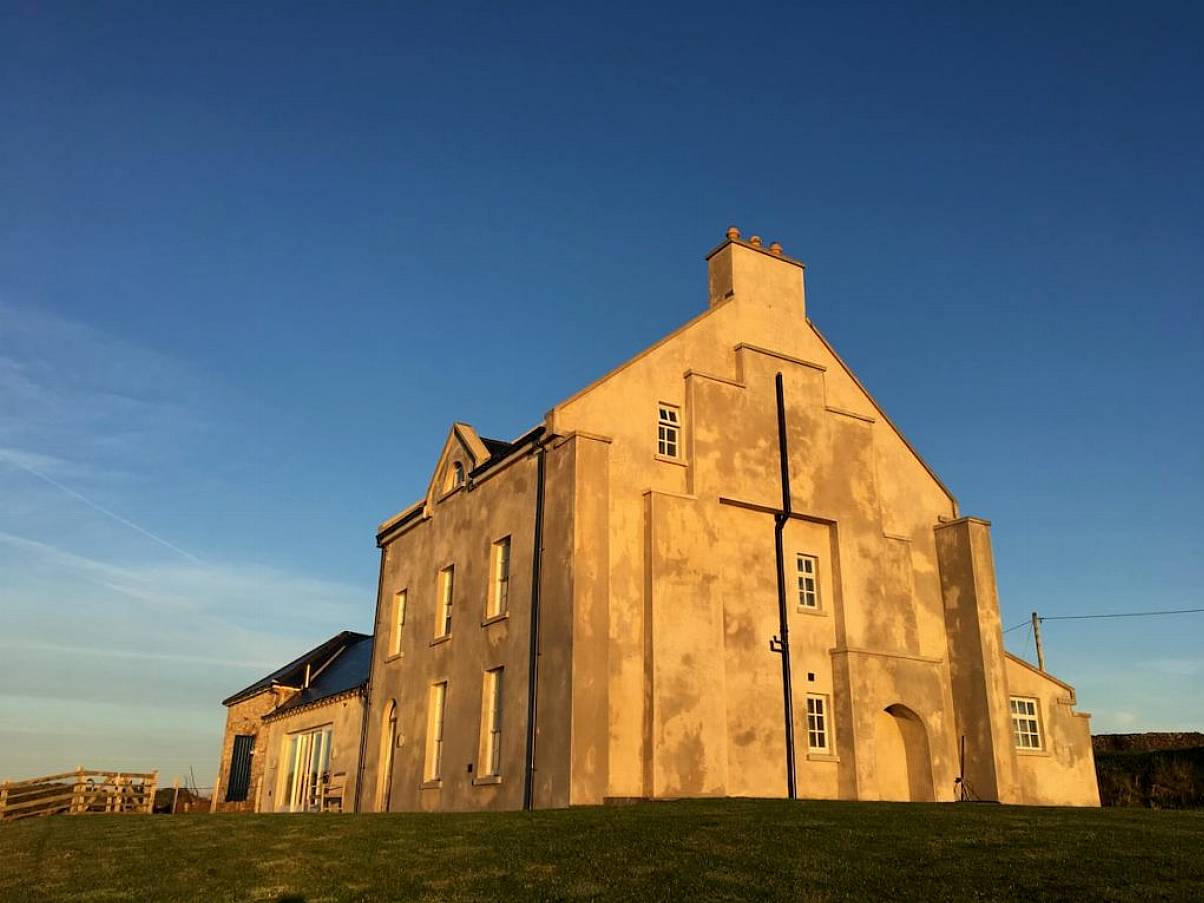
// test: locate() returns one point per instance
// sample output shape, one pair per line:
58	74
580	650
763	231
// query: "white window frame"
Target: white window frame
1026	723
397	622
807	569
305	769
668	430
498	602
436	718
492	695
819	724
447	590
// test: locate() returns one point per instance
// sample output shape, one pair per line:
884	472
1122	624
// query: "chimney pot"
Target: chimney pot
755	241
733	233
776	249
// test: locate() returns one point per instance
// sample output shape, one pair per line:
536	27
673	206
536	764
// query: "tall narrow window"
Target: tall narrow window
397	623
238	781
817	723
808	589
447	580
668	431
1026	726
499	590
491	724
434	732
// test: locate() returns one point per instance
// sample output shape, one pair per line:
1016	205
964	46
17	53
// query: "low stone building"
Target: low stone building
292	740
718	570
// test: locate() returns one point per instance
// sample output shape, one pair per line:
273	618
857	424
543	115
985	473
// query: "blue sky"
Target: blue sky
254	259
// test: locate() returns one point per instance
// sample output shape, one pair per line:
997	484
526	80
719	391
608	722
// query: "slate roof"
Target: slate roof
347	656
347	671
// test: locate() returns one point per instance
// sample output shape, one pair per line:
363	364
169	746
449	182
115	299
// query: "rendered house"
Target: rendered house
292	738
719	570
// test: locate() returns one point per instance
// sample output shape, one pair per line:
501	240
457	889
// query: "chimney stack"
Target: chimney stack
745	269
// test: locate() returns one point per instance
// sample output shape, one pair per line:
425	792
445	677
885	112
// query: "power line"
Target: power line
1027	622
1122	614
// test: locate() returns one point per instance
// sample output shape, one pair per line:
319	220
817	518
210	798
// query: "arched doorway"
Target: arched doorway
901	751
388	744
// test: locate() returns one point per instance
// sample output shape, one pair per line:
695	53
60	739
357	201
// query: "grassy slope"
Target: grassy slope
690	850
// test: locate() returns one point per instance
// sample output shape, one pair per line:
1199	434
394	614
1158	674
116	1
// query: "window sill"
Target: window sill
822	757
814	612
667	460
431	785
494	619
394	657
1033	752
441	639
486	780
444	496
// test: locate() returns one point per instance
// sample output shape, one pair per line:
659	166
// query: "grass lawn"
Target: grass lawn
690	850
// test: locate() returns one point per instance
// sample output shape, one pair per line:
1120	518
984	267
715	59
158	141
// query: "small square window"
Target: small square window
808	582
668	431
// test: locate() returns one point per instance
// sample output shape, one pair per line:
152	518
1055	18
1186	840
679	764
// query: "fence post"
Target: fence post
149	789
3	799
175	794
77	794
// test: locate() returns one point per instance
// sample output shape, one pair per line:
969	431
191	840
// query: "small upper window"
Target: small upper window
808	589
398	625
499	591
447	582
668	431
1026	726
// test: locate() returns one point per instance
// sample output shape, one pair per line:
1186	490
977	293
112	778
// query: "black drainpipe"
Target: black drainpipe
533	661
781	643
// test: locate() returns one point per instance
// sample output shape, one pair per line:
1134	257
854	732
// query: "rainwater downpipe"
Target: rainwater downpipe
781	643
533	659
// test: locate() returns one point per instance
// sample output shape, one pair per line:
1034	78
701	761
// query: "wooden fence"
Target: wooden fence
78	792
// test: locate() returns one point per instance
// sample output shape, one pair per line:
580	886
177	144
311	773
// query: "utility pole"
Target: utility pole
1037	638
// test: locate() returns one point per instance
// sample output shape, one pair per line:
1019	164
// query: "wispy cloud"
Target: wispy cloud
106	451
16	461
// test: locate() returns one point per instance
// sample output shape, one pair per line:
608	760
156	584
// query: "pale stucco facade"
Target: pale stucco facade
657	595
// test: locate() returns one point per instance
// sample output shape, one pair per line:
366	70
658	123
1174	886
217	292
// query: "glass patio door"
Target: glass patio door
308	758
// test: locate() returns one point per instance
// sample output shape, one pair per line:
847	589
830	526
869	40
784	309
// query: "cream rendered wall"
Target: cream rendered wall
849	466
1063	772
458	529
343	715
571	749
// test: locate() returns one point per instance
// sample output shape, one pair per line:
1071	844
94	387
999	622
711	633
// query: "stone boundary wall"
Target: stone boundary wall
1148	741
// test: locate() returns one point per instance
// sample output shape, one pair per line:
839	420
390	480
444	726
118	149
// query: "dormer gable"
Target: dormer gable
463	451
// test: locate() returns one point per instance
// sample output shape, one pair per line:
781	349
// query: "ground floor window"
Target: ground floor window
491	724
817	723
1026	726
306	769
434	731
